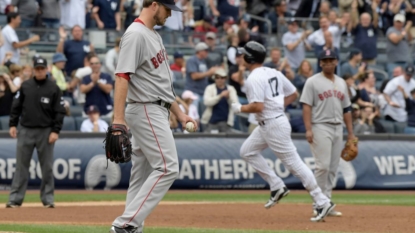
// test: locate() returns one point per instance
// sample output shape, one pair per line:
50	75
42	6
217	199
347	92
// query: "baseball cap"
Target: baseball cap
189	95
400	18
327	54
178	54
409	70
58	57
40	62
211	35
354	52
207	19
221	72
170	4
201	46
92	109
355	106
292	21
229	20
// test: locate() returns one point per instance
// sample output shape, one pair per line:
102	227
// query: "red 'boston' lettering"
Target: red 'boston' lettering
326	95
155	63
331	93
320	96
159	57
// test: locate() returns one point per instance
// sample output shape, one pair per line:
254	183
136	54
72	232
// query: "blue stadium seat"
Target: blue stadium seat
76	110
68	124
389	127
409	130
4	123
78	122
295	113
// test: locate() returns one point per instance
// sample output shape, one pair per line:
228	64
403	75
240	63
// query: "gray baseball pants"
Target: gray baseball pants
27	140
155	164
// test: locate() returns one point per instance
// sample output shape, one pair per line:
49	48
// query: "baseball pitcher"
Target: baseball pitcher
143	71
269	92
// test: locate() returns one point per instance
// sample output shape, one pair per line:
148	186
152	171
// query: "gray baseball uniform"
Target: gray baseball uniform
327	100
154	163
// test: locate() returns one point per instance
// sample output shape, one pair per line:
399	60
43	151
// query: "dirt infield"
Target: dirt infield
379	219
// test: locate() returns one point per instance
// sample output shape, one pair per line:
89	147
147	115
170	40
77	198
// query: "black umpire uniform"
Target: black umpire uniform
40	107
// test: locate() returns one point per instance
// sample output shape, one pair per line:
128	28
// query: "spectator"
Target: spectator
188	15
317	38
11	41
205	27
173	25
73	14
4	6
59	61
237	75
294	44
7	92
365	33
224	8
16	72
97	88
51	13
304	72
279	16
345	6
178	64
132	10
363	120
245	35
228	27
27	72
39	97
218	98
77	77
397	44
111	58
233	42
187	106
308	9
277	64
354	66
197	73
75	50
357	95
368	82
94	123
28	10
215	55
409	105
107	14
395	108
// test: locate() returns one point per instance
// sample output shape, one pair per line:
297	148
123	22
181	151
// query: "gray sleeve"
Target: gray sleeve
346	99
307	96
285	39
191	66
131	52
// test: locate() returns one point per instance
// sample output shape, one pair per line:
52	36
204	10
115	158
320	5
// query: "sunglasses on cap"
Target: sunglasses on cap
220	77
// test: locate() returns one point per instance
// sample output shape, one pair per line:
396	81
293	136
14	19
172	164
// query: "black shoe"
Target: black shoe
12	205
49	206
129	229
276	196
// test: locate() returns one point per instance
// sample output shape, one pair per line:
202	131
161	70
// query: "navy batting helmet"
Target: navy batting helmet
254	52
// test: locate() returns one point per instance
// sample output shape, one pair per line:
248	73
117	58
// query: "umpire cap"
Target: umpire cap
327	54
254	52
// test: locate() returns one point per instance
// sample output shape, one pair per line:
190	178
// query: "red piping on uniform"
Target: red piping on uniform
137	20
165	168
124	75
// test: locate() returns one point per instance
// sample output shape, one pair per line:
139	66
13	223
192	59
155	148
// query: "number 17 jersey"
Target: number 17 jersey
268	86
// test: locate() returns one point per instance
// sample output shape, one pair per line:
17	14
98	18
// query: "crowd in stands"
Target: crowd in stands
206	83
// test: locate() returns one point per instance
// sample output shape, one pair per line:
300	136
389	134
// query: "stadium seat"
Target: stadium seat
68	124
107	119
78	122
389	127
70	101
76	110
399	127
409	130
4	123
178	75
295	113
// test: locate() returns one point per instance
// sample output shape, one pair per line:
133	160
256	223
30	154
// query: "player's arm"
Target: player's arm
347	109
253	107
120	95
257	88
307	99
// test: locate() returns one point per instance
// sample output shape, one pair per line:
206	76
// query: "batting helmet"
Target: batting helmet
254	52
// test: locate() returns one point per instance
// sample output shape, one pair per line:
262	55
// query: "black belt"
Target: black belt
261	123
158	102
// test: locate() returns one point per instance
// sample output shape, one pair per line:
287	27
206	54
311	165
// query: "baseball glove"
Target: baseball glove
118	146
350	150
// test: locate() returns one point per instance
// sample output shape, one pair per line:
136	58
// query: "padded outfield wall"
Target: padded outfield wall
207	162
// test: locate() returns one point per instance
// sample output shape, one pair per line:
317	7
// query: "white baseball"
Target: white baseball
190	127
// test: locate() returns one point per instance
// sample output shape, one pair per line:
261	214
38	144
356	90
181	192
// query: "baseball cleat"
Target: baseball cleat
332	213
12	205
276	196
323	212
51	206
129	229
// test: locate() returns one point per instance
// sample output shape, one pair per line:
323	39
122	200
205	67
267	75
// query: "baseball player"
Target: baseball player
143	71
268	92
326	104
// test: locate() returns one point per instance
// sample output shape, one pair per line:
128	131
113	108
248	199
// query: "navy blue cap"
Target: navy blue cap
171	4
92	109
327	54
178	54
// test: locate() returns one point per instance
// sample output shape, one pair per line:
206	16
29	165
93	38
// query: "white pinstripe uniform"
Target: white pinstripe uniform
270	87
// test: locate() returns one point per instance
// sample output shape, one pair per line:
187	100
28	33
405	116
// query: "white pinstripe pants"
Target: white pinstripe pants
276	134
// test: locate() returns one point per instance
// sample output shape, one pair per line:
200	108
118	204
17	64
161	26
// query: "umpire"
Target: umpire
40	107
